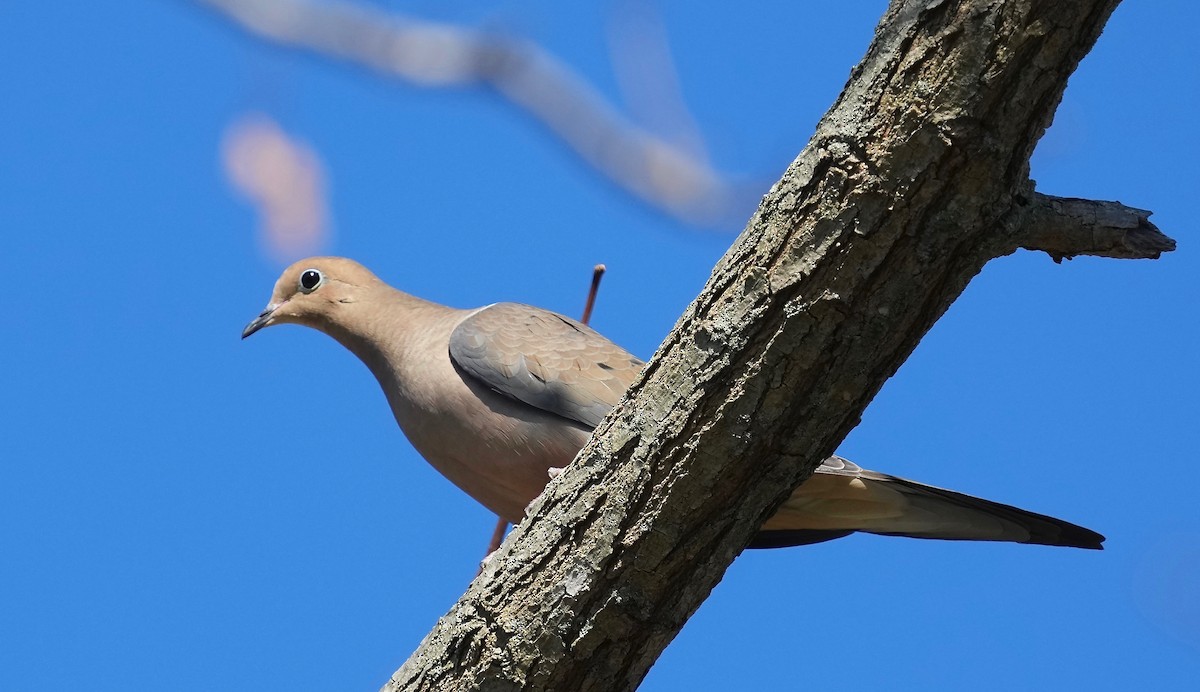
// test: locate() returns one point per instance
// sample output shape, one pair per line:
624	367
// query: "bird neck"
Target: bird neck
393	332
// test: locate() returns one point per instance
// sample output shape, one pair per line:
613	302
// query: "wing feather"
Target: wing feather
544	359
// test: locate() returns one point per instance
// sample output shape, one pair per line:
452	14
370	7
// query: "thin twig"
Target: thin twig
597	274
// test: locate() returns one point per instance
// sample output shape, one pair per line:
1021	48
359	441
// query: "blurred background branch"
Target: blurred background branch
669	172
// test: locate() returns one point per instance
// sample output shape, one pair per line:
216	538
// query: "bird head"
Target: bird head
312	292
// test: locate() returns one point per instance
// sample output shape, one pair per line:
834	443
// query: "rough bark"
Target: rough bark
915	178
1065	227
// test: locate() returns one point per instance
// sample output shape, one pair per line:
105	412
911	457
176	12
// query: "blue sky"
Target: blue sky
182	510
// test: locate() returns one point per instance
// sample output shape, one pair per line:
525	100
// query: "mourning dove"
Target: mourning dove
495	397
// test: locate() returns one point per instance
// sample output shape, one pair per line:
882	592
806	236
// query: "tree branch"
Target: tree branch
668	177
912	182
1066	227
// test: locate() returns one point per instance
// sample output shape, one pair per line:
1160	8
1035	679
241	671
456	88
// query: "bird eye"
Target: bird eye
310	280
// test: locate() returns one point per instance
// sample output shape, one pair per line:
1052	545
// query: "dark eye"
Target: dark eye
310	279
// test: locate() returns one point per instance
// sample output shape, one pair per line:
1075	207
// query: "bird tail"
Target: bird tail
842	498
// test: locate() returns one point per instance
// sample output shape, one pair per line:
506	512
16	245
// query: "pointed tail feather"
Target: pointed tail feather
842	498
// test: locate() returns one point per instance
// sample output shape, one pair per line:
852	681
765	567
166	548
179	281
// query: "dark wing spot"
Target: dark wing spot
567	322
604	366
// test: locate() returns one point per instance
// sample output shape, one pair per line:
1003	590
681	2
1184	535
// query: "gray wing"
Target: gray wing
544	359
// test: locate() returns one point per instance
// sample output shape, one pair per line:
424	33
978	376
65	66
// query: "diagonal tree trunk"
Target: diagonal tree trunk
916	177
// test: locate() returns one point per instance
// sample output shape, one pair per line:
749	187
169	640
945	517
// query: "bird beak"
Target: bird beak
263	320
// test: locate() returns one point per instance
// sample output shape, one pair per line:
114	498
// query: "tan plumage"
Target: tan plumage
495	397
